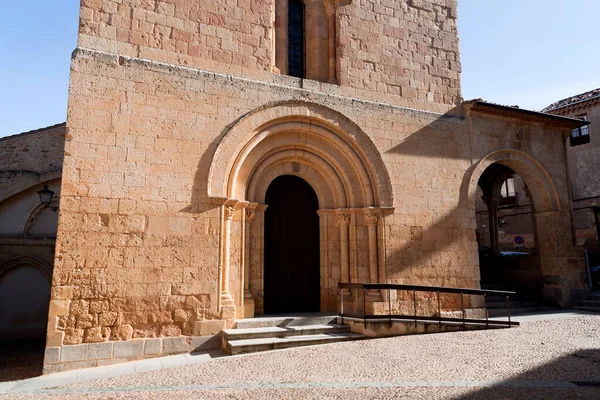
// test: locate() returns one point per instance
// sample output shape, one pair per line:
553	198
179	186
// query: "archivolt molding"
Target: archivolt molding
321	182
23	261
535	176
34	210
310	134
32	179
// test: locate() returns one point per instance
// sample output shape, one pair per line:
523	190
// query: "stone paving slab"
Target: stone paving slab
539	360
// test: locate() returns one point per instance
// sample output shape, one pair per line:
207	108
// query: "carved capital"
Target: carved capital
229	211
331	7
250	214
371	219
343	219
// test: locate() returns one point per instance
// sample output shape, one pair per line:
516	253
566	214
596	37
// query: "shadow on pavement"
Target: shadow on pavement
576	375
21	359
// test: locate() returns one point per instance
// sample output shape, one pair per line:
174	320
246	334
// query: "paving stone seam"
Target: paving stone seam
308	385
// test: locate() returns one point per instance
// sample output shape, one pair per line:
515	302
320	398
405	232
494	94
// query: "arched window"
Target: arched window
296	38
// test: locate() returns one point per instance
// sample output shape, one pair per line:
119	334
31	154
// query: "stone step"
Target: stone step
283	331
588	309
498	312
513	304
273	343
301	319
591	303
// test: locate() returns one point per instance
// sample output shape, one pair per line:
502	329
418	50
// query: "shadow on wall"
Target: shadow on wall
199	199
576	375
435	249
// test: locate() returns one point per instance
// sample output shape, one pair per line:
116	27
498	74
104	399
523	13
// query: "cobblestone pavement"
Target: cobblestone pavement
539	360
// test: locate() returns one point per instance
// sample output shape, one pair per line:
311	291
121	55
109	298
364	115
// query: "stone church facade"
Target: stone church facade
188	138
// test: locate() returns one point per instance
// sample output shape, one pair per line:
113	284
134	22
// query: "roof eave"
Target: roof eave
571	104
534	116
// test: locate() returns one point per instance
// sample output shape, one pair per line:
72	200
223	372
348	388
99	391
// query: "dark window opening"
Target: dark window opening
580	135
508	196
296	38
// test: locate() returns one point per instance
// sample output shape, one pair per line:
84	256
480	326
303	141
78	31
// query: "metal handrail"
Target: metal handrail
420	288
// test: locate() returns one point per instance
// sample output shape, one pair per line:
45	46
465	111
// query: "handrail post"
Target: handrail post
390	305
487	317
508	309
439	308
415	306
365	304
342	304
462	307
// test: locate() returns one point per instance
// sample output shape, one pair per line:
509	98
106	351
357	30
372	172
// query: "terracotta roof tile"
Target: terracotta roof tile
572	100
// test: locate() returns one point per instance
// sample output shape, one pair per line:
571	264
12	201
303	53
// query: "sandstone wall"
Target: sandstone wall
141	245
138	250
30	158
402	52
160	225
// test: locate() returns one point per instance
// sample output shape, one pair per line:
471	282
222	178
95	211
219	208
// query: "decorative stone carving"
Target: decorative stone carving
229	212
250	214
331	6
343	219
371	219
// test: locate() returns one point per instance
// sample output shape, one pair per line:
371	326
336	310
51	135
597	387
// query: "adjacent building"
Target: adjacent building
583	158
28	162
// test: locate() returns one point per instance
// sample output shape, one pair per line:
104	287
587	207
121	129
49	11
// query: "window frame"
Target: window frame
508	198
302	73
580	135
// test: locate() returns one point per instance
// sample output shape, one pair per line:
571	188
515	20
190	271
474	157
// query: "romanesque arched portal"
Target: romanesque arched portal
337	159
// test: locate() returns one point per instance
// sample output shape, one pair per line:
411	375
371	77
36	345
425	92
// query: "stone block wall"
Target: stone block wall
138	253
402	48
402	52
30	157
166	161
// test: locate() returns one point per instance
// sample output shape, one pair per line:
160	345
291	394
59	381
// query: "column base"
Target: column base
248	305
227	307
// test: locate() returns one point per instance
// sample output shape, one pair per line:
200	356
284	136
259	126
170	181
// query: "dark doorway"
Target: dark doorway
508	249
292	276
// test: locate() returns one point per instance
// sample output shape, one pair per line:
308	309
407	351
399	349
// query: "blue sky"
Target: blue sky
518	52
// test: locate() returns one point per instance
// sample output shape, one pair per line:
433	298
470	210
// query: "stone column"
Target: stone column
331	7
257	267
227	303
343	220
492	205
371	220
249	214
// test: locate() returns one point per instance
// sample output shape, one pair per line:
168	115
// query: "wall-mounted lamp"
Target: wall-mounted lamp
501	222
46	197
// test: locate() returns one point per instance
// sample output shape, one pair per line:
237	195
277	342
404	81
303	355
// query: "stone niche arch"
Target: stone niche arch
559	261
42	266
543	191
341	164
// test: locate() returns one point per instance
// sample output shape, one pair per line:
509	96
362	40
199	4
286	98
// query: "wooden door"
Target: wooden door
292	278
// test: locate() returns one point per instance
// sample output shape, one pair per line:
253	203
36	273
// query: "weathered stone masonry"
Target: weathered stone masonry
172	145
